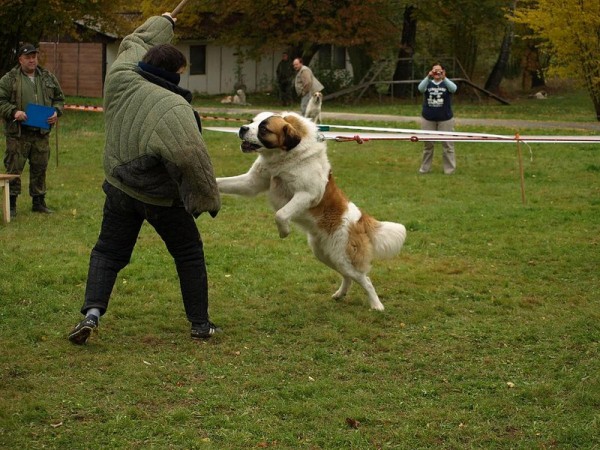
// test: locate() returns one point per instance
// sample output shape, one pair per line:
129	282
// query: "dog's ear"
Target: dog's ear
292	132
291	138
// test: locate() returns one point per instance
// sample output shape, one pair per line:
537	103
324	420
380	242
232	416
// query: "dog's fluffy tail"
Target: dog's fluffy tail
388	239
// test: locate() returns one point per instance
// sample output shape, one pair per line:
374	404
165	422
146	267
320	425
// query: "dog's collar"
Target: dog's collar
320	137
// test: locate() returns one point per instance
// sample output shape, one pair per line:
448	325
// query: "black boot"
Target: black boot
39	205
13	206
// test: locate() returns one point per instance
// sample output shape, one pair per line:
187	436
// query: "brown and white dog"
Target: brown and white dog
313	109
293	167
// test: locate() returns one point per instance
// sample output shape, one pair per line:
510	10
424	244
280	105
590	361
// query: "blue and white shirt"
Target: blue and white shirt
437	99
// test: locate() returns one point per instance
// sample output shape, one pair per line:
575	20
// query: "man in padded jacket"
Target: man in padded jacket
157	169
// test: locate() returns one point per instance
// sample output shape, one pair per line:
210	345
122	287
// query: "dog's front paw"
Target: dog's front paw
284	230
283	226
377	306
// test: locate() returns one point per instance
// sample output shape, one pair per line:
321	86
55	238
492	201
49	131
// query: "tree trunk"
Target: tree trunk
596	100
592	77
404	66
533	76
465	47
497	74
7	57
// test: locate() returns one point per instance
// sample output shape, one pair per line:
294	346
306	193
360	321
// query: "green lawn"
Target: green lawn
567	105
490	337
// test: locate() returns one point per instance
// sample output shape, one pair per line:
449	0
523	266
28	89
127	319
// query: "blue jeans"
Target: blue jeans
121	224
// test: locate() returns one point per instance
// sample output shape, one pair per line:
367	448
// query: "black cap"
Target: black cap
26	49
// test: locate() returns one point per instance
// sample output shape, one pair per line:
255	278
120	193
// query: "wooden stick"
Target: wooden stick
56	137
521	171
178	8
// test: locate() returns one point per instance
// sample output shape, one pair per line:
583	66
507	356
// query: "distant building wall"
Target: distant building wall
81	68
222	70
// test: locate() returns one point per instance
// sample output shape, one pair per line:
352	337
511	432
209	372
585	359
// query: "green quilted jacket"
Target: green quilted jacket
154	150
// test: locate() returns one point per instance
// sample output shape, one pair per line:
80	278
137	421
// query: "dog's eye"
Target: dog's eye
263	129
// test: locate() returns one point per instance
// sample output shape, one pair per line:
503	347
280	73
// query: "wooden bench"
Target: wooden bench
4	180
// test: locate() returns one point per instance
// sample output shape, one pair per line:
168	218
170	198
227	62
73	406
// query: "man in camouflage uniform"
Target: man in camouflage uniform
28	83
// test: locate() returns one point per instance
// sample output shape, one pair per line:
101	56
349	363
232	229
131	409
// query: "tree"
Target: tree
570	30
31	20
463	29
533	68
404	65
466	30
497	74
260	26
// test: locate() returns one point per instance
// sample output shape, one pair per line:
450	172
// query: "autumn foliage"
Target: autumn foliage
570	30
264	25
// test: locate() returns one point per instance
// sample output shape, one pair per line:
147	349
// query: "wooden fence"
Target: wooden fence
79	67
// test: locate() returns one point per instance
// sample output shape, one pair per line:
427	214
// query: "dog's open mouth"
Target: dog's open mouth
248	147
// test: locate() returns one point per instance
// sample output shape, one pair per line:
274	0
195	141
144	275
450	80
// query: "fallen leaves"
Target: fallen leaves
352	423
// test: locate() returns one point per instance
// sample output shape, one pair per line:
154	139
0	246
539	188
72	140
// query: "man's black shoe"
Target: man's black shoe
205	330
39	205
82	331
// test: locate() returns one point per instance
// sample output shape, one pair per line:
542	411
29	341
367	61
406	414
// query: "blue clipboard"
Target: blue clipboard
37	116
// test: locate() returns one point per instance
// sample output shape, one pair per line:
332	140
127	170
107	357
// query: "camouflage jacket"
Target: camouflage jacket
10	97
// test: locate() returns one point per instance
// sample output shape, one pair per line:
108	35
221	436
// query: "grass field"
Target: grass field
490	338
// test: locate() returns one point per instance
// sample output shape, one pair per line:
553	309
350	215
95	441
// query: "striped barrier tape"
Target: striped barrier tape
101	109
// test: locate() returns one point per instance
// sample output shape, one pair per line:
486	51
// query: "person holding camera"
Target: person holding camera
437	115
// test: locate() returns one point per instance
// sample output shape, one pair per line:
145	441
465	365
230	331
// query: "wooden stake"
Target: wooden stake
56	137
521	171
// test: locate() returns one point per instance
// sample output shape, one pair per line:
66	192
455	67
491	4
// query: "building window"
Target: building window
325	57
338	58
332	57
197	59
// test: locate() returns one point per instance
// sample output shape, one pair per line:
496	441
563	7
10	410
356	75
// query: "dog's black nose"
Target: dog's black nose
242	132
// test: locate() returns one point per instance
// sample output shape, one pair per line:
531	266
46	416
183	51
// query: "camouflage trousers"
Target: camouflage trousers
35	148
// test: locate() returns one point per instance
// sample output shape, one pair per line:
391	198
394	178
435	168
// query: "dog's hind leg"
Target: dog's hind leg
349	274
366	284
343	290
